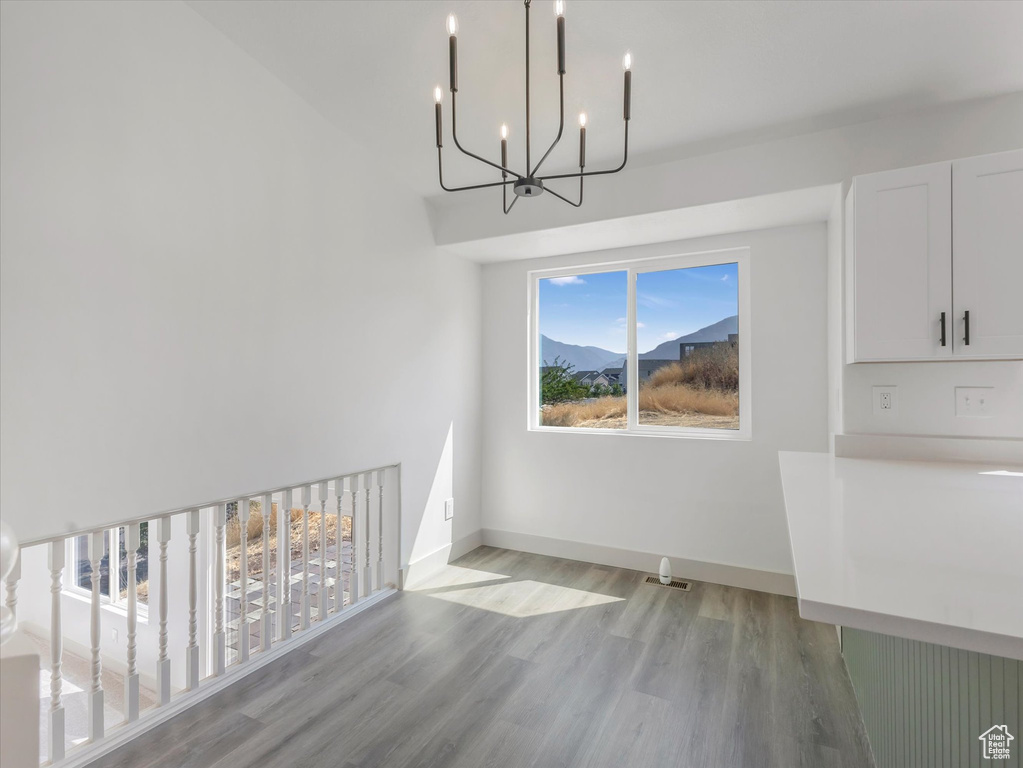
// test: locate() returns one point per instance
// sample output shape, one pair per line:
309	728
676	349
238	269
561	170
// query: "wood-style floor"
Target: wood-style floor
508	659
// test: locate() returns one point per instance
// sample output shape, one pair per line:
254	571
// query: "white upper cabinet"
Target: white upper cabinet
987	255
930	247
902	269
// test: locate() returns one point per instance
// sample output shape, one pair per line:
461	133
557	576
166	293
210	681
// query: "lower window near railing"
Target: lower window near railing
223	592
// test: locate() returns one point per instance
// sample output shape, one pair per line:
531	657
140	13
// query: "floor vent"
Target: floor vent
685	586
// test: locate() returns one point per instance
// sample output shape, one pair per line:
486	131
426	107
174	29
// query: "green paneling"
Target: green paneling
925	705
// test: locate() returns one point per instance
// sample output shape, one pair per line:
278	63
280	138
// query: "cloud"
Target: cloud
669	335
640	325
724	278
651	301
573	280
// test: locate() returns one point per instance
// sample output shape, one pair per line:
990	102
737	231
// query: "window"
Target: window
659	346
114	540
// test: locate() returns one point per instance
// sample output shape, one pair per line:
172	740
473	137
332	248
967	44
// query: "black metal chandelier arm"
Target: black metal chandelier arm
504	202
454	135
440	175
581	174
562	197
561	126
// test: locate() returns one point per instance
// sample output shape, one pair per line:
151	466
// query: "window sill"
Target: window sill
730	436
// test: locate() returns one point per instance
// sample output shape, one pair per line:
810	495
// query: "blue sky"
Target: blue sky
589	310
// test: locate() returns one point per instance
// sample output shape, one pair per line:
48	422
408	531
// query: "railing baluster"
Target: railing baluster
243	581
57	552
96	666
219	636
367	565
306	500
353	582
380	530
192	651
163	680
265	630
322	595
131	680
339	564
284	567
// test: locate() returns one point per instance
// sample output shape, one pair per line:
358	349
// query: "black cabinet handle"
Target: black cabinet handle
942	329
966	319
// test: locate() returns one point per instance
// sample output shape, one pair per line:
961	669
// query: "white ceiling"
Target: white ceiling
706	75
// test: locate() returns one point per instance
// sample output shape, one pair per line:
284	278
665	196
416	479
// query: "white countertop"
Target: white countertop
930	551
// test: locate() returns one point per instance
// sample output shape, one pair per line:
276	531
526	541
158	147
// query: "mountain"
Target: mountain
717	332
597	359
583	358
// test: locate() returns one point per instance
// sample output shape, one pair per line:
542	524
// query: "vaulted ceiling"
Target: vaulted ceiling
706	75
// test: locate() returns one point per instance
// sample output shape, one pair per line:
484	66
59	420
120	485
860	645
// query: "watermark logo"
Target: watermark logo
996	743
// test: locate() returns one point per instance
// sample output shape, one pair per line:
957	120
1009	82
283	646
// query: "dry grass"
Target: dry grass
570	414
255	538
708	368
700	391
678	398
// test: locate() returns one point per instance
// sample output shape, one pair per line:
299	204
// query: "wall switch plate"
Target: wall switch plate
886	400
449	509
975	402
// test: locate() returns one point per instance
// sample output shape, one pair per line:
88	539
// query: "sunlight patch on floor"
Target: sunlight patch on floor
523	599
455	575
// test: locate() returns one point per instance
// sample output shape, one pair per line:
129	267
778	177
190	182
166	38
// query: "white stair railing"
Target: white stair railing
198	632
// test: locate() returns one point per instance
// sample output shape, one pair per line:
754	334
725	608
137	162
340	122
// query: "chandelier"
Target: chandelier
530	183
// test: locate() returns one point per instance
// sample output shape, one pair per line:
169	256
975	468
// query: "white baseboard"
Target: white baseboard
119	735
427	565
697	570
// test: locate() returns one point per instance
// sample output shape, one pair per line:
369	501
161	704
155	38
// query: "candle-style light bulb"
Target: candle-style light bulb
582	139
438	94
559	11
504	149
453	53
627	66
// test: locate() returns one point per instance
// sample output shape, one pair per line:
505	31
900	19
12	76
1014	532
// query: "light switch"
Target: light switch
975	402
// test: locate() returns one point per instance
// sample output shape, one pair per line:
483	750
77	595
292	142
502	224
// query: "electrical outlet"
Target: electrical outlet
886	400
974	402
449	509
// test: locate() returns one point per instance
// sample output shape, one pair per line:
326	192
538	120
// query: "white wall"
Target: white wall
926	391
792	163
209	290
715	501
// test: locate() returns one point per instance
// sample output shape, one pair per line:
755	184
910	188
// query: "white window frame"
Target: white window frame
113	601
633	268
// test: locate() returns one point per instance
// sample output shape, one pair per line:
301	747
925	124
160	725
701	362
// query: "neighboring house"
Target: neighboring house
646	370
686	348
586	378
648	367
613	375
